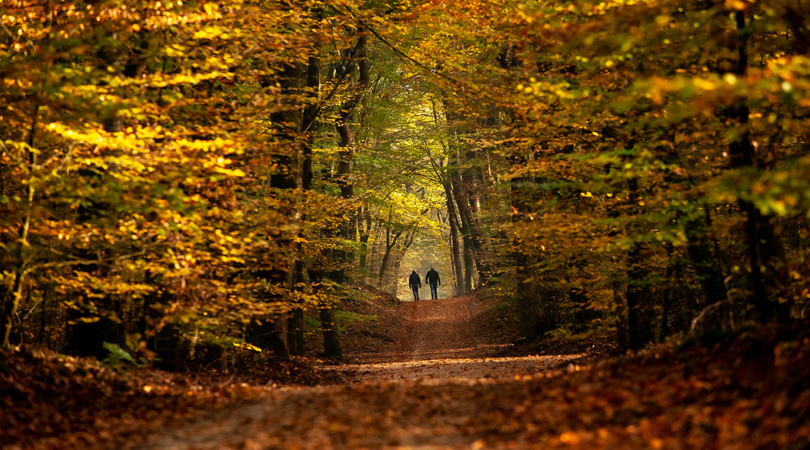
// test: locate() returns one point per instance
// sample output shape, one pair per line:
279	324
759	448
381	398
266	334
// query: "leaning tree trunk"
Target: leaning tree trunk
389	244
454	238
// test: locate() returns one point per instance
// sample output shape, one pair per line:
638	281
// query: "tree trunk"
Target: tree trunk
639	299
346	148
331	338
395	283
528	308
454	238
469	265
704	263
295	331
469	226
453	265
271	333
484	244
622	321
364	232
389	244
471	232
461	202
762	242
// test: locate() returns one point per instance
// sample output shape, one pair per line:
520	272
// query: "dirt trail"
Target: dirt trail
435	387
436	329
418	395
440	339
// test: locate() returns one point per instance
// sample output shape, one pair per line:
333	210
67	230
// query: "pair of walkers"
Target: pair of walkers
431	278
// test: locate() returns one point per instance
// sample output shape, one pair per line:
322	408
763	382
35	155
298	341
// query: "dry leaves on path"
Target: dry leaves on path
752	392
437	339
50	401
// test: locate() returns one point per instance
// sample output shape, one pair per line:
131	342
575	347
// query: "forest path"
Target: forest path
434	387
441	339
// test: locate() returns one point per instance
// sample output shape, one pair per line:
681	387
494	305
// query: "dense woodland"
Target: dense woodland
187	178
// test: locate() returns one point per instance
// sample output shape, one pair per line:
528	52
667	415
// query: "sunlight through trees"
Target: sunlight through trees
203	175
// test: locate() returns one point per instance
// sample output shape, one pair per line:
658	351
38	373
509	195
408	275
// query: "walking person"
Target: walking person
415	283
433	280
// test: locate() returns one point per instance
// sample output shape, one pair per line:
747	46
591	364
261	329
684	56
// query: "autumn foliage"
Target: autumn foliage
183	181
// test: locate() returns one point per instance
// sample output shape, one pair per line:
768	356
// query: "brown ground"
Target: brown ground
434	381
429	344
444	339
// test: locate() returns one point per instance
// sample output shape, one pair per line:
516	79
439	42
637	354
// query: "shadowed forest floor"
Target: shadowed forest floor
436	386
444	339
439	382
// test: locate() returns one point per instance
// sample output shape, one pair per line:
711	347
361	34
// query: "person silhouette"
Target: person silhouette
433	280
415	283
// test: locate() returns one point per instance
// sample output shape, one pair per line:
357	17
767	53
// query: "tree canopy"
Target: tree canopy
207	171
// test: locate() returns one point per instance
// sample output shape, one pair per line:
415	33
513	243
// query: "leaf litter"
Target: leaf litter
442	384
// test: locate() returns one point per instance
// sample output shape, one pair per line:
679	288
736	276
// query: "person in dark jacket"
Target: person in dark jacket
433	280
415	283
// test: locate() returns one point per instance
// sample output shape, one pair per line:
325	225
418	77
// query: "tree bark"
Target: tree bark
346	146
364	232
331	338
470	230
528	308
640	302
622	322
389	244
454	238
761	239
